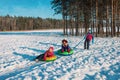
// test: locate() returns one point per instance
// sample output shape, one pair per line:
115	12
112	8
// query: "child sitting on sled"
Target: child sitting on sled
65	46
48	53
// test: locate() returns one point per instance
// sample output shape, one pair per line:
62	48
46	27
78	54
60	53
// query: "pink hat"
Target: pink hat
51	48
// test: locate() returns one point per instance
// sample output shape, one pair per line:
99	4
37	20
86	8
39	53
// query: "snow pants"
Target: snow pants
40	57
86	44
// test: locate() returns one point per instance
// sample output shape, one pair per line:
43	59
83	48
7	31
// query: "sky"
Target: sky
32	8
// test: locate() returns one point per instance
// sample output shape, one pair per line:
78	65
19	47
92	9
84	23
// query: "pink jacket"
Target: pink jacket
48	54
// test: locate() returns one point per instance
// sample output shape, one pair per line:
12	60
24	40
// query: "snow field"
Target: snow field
101	62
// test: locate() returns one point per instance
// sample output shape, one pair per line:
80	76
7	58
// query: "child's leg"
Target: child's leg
62	50
88	44
40	57
85	44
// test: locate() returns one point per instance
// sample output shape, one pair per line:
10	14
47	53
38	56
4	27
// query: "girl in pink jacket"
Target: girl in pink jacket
48	53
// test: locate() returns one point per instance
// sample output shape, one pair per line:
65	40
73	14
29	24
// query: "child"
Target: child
65	46
48	53
88	38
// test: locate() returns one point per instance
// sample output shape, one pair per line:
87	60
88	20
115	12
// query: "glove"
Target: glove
84	37
92	41
62	50
68	50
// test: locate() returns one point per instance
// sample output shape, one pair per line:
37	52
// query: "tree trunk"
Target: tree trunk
66	25
76	24
96	17
113	19
64	31
107	19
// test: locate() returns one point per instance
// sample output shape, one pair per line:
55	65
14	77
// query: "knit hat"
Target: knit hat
90	31
64	41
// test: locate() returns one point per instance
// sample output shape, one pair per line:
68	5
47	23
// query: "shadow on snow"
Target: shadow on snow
112	74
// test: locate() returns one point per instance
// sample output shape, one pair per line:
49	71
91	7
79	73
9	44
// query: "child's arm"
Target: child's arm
45	55
92	39
62	49
85	36
68	48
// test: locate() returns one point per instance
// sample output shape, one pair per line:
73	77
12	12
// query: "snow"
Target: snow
18	49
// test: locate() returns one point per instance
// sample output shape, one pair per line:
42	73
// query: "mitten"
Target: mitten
92	41
62	50
68	50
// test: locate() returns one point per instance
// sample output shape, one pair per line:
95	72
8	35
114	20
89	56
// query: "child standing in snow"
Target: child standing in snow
88	38
65	46
48	53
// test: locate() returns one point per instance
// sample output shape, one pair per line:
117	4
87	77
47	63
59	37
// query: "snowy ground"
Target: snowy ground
18	49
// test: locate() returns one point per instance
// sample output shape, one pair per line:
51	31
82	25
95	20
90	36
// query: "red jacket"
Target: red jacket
48	54
89	36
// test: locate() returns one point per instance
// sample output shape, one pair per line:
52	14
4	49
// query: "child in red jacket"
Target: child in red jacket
88	38
48	53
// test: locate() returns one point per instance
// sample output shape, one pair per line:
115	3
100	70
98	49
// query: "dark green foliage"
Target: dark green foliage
8	23
102	16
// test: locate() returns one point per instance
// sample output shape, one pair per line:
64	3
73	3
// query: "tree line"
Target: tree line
102	16
9	23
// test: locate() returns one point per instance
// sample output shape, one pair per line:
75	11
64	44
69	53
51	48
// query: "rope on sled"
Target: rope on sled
78	43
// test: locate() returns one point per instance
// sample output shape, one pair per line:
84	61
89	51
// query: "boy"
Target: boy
65	46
